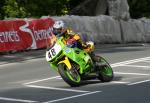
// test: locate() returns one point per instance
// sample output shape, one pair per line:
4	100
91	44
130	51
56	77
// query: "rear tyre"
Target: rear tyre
71	77
105	72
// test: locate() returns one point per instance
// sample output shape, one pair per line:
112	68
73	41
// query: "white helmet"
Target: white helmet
58	24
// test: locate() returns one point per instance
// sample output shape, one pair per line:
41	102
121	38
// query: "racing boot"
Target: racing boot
97	61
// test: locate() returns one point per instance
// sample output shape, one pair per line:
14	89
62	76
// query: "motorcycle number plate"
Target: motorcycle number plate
53	52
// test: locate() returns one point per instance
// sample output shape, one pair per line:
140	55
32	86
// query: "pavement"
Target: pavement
6	58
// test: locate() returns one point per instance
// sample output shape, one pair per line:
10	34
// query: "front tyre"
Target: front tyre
71	77
105	72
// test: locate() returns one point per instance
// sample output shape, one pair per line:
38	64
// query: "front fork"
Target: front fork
67	62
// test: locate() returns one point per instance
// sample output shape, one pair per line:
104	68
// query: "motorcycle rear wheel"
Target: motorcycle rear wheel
105	72
71	77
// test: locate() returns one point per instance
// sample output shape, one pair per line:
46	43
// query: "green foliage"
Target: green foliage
11	8
38	8
2	2
139	8
35	8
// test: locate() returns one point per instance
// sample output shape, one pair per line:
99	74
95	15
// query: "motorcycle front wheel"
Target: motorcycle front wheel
71	76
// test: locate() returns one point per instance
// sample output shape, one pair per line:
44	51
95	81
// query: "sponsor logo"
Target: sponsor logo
9	36
42	34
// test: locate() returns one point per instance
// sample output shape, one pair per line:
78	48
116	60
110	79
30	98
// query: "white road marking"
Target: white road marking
119	82
16	100
59	78
41	80
129	62
125	63
137	66
54	88
112	65
139	82
61	99
130	73
146	61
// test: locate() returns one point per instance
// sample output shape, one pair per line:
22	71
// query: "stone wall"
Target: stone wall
106	29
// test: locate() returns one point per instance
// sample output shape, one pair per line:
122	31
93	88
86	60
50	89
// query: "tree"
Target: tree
11	8
2	2
35	8
139	8
38	8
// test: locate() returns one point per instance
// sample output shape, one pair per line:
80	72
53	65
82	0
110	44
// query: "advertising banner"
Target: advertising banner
25	34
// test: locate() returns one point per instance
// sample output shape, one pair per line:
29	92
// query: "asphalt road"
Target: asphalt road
26	78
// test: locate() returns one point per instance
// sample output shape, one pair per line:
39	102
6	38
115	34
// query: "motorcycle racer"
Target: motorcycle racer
71	38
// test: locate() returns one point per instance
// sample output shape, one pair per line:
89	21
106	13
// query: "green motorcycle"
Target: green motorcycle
75	65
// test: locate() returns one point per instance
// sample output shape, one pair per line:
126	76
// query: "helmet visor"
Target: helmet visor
57	31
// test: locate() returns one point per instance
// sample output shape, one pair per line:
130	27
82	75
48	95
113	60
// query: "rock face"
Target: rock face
105	29
107	21
132	31
100	29
86	8
117	8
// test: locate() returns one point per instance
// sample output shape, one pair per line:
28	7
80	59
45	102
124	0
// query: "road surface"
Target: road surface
27	78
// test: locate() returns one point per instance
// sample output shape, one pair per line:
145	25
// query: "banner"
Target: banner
25	34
